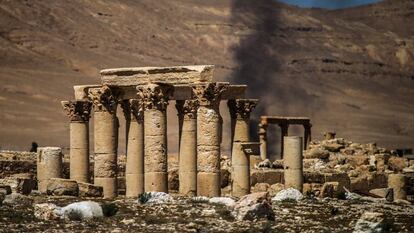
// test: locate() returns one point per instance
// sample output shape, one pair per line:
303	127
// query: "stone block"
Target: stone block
332	189
312	189
397	164
62	187
89	190
266	176
19	185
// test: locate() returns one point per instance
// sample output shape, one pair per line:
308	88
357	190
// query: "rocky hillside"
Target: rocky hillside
351	70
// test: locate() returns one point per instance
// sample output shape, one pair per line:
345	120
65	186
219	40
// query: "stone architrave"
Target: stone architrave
209	126
240	110
293	162
155	98
134	171
79	113
187	113
49	165
105	103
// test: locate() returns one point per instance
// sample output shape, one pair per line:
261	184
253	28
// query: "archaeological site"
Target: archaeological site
207	116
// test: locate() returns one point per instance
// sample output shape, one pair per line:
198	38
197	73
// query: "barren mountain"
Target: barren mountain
350	70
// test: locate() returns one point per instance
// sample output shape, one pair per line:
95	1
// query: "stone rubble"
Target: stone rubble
254	206
289	194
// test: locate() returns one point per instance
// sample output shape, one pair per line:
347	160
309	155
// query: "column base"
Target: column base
241	181
208	184
188	183
134	184
109	185
156	182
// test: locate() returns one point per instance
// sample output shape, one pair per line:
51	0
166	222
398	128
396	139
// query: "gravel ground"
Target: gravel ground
186	215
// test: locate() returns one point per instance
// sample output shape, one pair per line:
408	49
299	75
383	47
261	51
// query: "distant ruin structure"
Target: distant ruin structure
283	123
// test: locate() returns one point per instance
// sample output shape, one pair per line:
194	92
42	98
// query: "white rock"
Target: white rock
288	194
82	210
157	197
227	201
201	199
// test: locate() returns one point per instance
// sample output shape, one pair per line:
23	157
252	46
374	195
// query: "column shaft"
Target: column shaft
49	165
293	162
284	132
263	141
79	151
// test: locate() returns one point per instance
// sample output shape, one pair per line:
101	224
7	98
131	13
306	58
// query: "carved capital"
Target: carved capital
241	108
187	107
104	99
155	96
77	110
209	94
137	109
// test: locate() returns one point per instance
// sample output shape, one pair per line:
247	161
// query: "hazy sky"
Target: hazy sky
330	4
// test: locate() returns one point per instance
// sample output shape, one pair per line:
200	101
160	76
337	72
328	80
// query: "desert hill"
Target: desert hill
350	70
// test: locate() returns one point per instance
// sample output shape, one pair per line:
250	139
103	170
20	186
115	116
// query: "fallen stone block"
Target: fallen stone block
227	201
62	187
89	190
312	189
373	222
386	193
155	197
266	176
254	206
397	164
19	185
332	190
17	199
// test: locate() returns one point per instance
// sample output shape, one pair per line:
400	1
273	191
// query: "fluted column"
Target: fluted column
187	112
79	113
106	139
208	137
240	110
155	101
134	171
263	140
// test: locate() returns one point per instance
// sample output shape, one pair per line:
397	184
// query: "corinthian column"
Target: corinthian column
187	112
208	137
155	101
106	139
240	110
134	171
79	113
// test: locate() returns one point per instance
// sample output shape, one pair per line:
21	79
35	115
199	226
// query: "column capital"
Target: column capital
187	107
155	95
209	94
104	99
77	110
241	108
137	109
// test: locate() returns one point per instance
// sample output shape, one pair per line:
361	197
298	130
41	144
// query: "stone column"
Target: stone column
49	165
398	183
106	139
284	127
308	135
263	140
187	111
240	110
293	162
126	109
79	113
208	137
155	101
134	171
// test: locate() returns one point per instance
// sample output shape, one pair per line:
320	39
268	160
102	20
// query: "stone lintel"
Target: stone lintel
82	91
134	76
284	120
181	92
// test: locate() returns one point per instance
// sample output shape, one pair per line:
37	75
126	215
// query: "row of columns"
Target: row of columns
146	170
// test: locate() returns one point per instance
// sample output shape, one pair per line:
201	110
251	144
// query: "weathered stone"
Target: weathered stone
155	197
316	153
312	189
49	165
5	189
19	185
397	164
47	211
373	222
17	199
266	176
278	164
386	193
225	177
289	194
254	206
265	164
398	183
227	201
260	187
173	179
61	187
332	189
83	210
89	190
275	188
2	197
333	147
